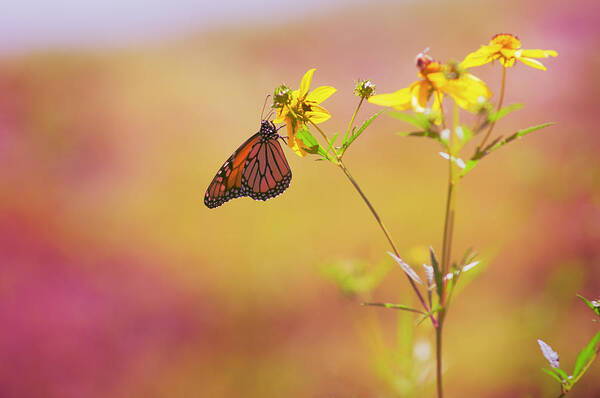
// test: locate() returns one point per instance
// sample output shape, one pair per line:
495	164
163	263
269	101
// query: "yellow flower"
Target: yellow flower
507	49
437	80
298	107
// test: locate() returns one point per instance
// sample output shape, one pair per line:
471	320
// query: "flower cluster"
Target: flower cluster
436	80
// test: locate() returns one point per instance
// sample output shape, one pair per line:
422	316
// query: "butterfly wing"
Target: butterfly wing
227	183
267	172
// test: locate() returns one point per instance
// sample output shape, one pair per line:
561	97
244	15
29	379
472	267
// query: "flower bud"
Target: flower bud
281	96
364	88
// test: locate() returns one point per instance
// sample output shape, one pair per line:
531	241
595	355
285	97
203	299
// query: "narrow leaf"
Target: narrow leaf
594	304
394	307
311	143
331	142
552	374
504	111
469	165
406	268
416	119
489	149
428	134
437	273
587	355
357	133
428	314
520	134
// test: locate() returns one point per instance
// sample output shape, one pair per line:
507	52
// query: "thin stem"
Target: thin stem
497	109
438	359
326	140
387	235
446	250
352	120
439	98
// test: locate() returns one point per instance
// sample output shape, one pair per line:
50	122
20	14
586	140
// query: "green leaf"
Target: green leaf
437	273
331	142
498	144
586	356
468	166
494	117
428	314
311	143
394	306
356	133
594	308
561	373
429	134
552	374
416	119
520	134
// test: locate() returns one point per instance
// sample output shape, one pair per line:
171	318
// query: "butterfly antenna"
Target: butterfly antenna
269	115
263	108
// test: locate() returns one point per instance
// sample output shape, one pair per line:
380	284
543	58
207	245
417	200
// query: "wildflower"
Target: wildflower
507	49
364	89
466	89
298	107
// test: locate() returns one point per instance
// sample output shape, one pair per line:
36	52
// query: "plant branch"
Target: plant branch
387	235
497	109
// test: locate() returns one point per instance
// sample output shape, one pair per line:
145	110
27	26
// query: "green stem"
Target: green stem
438	357
387	235
497	109
349	129
446	249
335	157
439	98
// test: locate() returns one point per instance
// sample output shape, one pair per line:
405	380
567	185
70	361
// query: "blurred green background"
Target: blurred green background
117	281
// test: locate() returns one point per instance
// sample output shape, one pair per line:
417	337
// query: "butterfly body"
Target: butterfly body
257	169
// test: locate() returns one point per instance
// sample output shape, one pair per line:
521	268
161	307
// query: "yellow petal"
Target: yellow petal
468	91
294	143
533	63
420	93
317	114
538	53
320	94
481	56
305	83
400	100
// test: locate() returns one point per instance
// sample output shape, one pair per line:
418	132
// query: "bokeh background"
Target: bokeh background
117	281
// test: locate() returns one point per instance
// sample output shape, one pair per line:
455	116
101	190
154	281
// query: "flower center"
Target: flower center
506	40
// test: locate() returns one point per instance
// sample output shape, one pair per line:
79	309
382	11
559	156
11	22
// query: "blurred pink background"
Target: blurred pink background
118	281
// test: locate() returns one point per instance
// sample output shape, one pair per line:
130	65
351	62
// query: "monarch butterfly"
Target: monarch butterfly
258	169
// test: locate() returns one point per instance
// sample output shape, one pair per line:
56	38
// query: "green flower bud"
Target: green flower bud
281	96
364	89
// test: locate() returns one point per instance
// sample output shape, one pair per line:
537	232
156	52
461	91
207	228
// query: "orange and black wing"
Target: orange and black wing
227	184
267	172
